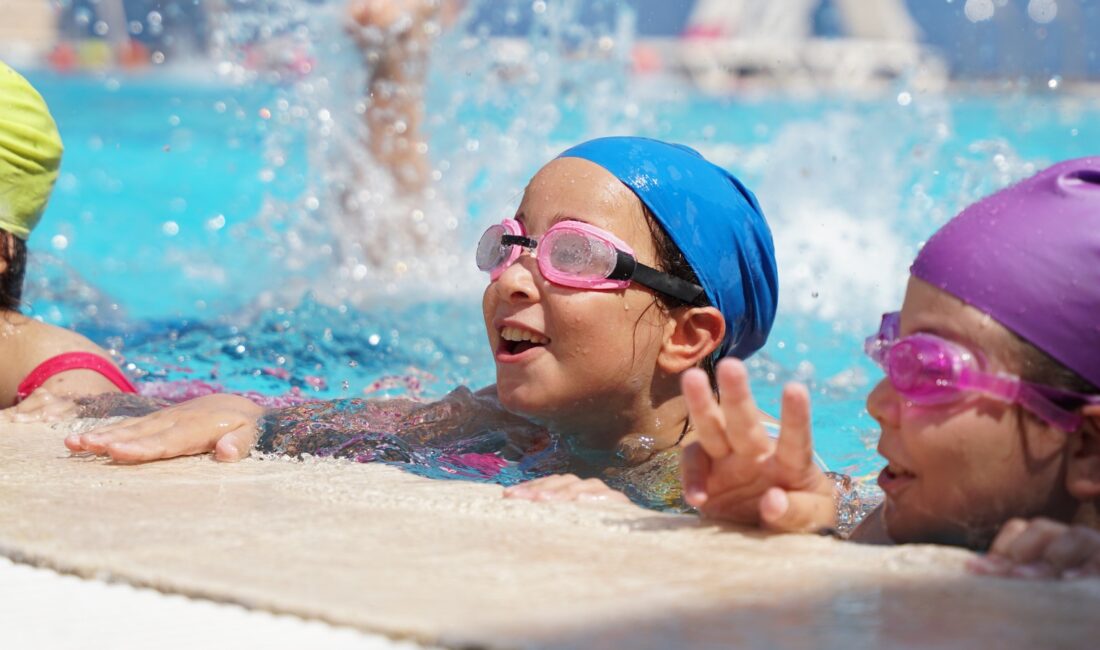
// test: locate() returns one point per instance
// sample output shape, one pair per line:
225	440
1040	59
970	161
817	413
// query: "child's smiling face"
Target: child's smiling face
957	471
592	354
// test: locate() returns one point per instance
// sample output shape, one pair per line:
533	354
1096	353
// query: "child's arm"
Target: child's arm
44	406
1041	548
564	487
231	425
224	424
736	472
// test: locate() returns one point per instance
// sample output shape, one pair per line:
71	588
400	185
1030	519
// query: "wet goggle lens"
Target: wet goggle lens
926	369
579	255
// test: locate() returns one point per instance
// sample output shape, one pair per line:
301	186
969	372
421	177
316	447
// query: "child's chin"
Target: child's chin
520	400
911	528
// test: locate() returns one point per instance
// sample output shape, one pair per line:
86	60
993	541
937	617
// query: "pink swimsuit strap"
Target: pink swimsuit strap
72	361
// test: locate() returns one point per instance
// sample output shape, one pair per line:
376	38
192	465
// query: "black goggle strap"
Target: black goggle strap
627	268
518	240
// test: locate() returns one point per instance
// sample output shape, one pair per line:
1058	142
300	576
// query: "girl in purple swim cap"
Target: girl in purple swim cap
990	409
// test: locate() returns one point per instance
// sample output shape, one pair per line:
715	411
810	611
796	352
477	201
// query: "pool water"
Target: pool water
188	228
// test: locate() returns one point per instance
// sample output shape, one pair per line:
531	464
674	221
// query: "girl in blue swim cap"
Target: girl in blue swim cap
628	261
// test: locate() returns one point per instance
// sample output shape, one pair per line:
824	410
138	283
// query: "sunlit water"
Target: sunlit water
193	230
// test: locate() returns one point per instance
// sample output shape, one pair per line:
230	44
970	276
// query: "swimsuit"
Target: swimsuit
72	361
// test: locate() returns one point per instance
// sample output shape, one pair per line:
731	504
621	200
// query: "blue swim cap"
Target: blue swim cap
712	218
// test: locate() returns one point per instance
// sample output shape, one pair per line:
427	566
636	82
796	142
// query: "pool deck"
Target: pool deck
451	563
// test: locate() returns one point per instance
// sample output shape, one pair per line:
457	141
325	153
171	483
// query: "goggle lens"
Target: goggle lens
491	253
579	255
574	254
925	370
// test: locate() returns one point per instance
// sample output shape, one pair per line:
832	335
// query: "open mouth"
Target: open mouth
515	340
894	477
895	472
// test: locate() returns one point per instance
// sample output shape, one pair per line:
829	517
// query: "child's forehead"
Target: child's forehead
931	310
566	180
573	188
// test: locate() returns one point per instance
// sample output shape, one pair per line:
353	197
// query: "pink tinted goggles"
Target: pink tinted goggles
581	256
927	370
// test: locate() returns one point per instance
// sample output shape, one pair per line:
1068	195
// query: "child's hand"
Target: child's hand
1041	548
224	424
40	406
734	471
564	487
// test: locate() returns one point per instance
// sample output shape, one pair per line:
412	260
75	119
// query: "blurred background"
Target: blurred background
976	39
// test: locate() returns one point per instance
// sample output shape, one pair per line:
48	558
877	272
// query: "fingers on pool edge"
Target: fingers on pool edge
234	446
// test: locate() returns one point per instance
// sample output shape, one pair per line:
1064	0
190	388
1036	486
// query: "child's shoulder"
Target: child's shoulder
25	343
34	341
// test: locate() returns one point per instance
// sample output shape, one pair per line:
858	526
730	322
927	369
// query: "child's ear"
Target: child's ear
1083	468
694	334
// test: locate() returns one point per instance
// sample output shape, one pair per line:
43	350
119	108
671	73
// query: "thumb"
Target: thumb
235	445
796	512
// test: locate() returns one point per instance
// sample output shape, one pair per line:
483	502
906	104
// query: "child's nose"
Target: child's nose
884	404
517	282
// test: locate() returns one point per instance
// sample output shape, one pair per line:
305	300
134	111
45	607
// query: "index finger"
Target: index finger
744	434
795	447
706	415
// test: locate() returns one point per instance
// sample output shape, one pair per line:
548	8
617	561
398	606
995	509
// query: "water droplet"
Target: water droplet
1042	11
978	10
170	228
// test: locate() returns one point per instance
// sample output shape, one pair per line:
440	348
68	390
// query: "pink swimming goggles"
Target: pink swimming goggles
579	255
926	369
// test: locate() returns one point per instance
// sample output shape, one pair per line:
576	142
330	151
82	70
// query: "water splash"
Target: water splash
353	225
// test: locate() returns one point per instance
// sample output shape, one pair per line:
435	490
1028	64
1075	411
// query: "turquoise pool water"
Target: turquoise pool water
167	236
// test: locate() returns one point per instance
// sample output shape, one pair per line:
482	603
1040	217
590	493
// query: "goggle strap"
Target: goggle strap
625	266
1040	405
670	285
518	240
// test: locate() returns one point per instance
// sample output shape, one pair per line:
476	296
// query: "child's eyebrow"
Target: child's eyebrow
559	217
565	216
948	332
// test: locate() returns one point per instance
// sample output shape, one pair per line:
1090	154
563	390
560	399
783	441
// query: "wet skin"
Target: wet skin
956	472
600	370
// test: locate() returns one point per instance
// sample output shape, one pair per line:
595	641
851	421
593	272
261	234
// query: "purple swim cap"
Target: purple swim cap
1029	256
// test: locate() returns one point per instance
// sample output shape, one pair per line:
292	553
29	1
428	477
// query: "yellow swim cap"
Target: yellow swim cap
30	154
